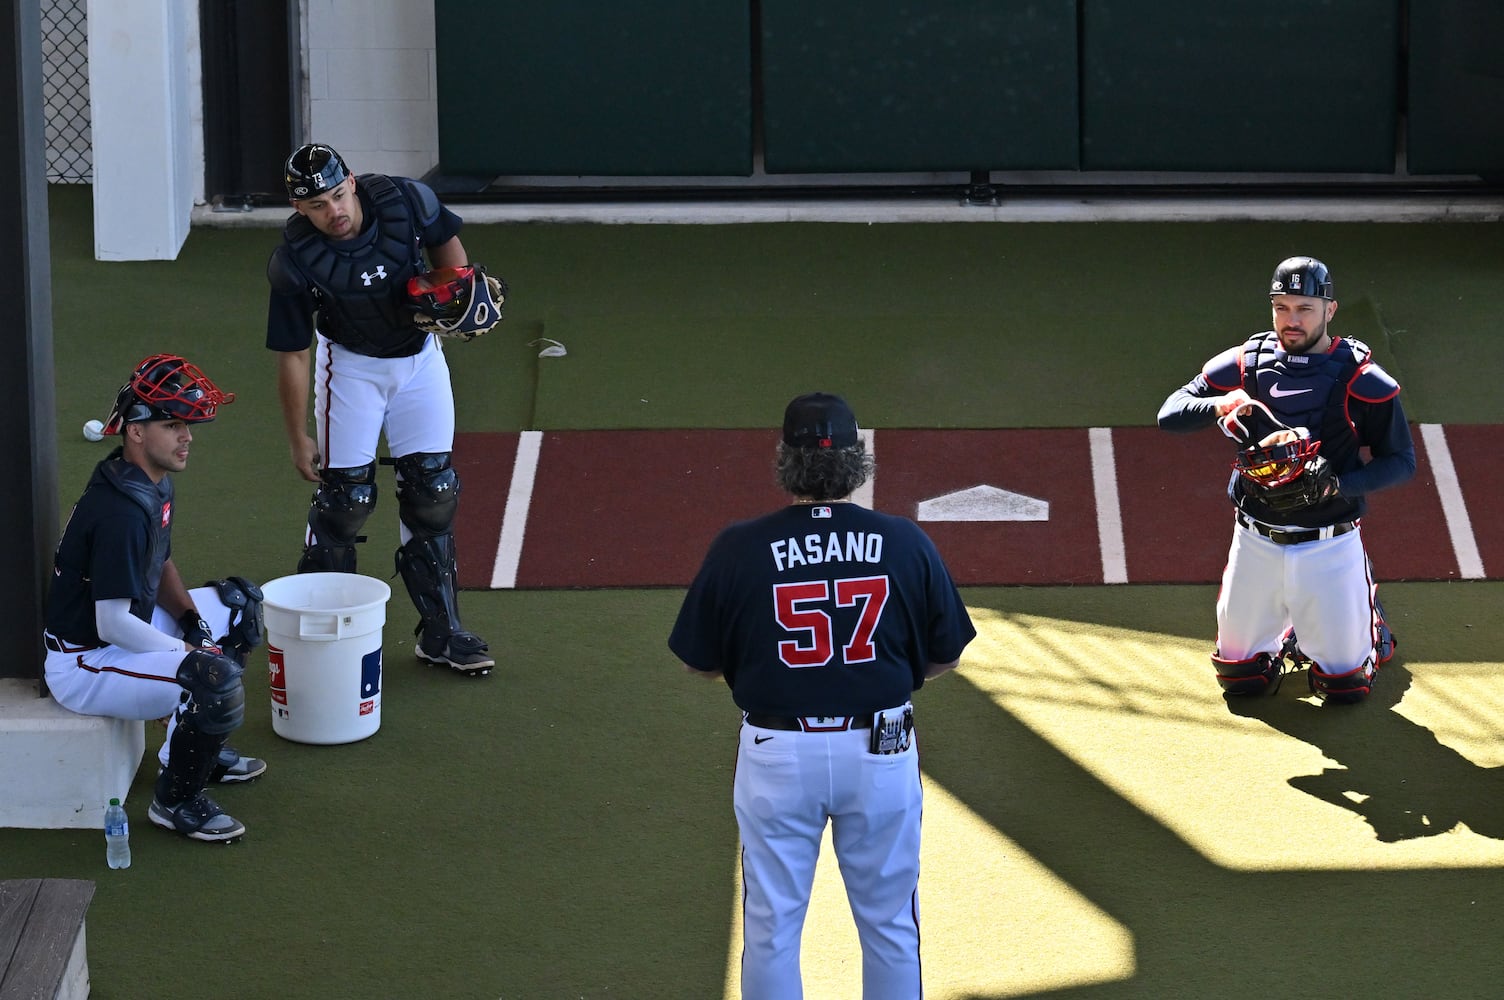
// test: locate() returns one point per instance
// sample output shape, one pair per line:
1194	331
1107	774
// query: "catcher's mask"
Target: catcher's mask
165	387
1276	464
456	301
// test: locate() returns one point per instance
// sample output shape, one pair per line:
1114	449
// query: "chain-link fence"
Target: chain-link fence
65	90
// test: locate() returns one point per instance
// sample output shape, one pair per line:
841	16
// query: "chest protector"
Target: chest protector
361	292
1308	390
156	501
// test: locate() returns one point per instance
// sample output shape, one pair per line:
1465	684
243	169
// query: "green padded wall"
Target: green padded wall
943	85
1456	109
564	87
1240	85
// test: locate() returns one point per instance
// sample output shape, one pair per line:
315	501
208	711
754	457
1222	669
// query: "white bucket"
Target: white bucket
323	640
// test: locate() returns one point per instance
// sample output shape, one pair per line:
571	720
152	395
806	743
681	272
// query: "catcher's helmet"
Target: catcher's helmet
1301	276
313	169
165	387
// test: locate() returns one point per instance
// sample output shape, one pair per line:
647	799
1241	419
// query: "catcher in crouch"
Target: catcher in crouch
1300	404
352	299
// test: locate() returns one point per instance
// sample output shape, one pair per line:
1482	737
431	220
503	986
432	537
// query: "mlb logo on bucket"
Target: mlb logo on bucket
370	681
276	676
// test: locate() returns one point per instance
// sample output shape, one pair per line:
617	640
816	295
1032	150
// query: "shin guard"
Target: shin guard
1344	688
1259	675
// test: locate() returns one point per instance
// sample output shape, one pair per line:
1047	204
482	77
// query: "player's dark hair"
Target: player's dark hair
823	473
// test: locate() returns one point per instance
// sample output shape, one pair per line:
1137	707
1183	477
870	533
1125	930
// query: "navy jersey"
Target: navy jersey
357	286
821	609
116	541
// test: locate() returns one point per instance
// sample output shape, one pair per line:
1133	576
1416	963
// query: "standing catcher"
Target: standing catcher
824	617
349	286
124	637
1300	404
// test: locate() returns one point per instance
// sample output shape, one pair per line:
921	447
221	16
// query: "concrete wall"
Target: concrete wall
370	86
368	89
148	163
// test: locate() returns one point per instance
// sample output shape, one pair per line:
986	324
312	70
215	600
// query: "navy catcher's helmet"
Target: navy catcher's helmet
1301	276
313	169
165	387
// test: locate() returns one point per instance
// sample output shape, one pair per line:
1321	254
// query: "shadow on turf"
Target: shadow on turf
1394	773
1201	930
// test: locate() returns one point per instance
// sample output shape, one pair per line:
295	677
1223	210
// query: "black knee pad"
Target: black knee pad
243	598
428	492
1345	688
1256	676
216	693
341	505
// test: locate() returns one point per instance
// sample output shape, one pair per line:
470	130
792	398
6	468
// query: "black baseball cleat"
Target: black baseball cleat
231	768
463	651
200	818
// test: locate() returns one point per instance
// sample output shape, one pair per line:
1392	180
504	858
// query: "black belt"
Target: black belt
59	646
1286	536
810	723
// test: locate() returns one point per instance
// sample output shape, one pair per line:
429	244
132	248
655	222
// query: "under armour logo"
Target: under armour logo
368	278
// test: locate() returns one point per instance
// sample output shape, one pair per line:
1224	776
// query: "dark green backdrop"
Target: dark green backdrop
586	87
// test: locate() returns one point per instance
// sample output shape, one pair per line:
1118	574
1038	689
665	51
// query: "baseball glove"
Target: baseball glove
1287	477
458	302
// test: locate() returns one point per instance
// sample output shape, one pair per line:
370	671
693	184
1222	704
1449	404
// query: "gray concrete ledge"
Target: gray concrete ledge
1399	208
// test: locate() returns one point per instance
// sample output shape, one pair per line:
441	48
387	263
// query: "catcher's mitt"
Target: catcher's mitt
459	302
1287	477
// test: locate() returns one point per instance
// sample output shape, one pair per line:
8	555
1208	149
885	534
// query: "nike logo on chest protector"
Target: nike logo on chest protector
1279	393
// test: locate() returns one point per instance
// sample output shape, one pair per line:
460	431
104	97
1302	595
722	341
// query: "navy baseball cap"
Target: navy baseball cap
819	420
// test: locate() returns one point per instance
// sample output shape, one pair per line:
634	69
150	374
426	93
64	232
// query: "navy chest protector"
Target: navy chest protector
362	294
1306	390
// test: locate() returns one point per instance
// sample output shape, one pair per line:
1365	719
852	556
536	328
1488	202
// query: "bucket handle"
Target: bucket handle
315	626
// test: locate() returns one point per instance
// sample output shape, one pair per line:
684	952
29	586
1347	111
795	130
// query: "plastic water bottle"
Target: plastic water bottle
117	836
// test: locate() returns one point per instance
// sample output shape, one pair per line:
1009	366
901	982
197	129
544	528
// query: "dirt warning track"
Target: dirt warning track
1055	506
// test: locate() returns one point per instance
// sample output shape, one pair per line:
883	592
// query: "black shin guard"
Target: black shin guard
1256	676
213	710
1346	688
190	757
427	568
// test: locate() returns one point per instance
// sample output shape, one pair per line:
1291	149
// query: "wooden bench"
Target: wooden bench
42	953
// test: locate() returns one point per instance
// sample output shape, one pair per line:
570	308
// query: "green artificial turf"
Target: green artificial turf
563	827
